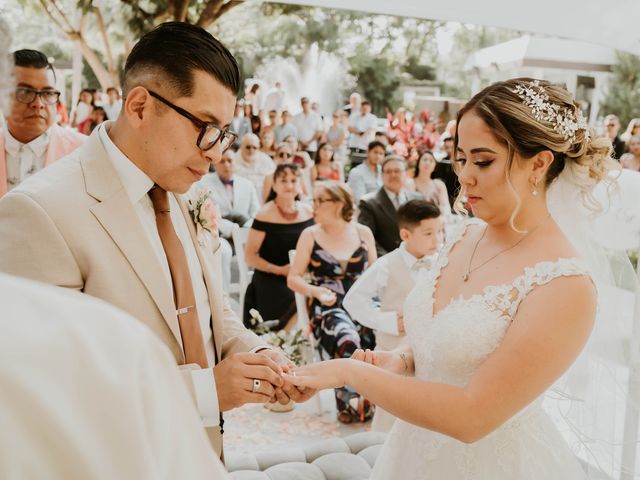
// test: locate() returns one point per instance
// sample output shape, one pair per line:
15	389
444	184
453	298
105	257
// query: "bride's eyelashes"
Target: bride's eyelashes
479	163
483	163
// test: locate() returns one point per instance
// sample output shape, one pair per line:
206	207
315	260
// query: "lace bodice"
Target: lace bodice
451	344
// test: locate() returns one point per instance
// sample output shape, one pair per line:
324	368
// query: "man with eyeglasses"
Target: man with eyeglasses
30	140
111	220
378	210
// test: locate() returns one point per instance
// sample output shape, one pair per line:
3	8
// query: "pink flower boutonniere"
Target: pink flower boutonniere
204	212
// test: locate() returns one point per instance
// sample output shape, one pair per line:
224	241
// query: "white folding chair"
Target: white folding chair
239	235
313	352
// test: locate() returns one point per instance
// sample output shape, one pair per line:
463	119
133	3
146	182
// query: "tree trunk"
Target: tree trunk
63	24
213	10
111	67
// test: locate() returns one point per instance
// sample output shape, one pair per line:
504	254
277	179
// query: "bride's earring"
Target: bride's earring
535	188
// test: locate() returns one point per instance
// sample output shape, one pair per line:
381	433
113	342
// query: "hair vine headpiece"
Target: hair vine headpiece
564	122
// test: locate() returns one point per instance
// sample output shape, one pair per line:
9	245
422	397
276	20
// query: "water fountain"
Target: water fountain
323	77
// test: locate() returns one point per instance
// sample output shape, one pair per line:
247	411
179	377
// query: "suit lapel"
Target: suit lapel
117	216
205	247
387	206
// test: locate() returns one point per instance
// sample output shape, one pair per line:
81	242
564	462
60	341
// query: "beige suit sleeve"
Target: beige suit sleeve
237	338
31	245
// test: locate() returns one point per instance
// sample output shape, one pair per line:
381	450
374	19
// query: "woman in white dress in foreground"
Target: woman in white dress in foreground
503	314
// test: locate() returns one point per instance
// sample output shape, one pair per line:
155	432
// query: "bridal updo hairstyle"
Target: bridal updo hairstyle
513	123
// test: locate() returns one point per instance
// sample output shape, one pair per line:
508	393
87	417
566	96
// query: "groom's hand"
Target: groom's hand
235	375
287	390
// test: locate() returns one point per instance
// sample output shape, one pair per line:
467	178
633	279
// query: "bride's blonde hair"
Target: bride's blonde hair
514	123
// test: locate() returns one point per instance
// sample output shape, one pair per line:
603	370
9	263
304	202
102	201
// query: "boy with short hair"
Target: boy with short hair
376	299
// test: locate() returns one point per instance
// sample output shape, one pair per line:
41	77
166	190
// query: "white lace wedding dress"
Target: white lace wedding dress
448	347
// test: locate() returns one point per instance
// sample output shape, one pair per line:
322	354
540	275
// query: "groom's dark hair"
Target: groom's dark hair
414	211
172	51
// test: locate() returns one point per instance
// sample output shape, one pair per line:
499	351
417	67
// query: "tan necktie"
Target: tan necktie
185	299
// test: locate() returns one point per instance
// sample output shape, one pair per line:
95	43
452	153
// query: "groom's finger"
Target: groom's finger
265	388
282	397
263	373
260	359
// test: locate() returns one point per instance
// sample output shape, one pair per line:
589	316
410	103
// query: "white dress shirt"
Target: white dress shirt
137	185
112	109
363	123
307	126
362	180
361	299
24	159
397	199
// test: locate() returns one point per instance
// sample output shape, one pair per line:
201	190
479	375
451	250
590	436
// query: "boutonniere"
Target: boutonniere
204	212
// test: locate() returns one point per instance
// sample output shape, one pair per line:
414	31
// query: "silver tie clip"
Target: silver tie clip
182	311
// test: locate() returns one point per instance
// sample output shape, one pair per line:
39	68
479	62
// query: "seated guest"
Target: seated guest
274	232
335	252
237	202
283	155
376	299
378	209
631	160
433	190
30	139
326	167
365	178
251	163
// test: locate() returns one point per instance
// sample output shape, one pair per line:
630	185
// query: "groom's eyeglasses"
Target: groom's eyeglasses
210	133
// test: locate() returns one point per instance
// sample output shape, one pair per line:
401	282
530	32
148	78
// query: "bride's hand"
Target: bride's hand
320	375
390	361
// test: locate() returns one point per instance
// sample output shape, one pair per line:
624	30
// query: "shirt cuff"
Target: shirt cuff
204	386
388	323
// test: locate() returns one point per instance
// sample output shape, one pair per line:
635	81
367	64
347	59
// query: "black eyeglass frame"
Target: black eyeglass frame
201	124
37	93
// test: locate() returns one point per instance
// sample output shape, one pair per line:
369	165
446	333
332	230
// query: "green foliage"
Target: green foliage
623	93
378	79
419	71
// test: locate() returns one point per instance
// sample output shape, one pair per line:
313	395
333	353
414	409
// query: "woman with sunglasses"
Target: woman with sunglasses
283	155
335	251
326	167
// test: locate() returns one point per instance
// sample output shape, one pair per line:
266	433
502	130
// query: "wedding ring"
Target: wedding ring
256	385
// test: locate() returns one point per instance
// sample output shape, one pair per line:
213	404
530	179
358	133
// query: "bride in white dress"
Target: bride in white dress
505	312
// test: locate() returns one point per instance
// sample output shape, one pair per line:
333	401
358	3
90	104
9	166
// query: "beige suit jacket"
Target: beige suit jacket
72	225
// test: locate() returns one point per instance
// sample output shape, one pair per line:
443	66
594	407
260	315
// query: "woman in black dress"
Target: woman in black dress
335	252
274	232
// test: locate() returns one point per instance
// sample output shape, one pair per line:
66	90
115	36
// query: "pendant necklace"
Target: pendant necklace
470	270
288	215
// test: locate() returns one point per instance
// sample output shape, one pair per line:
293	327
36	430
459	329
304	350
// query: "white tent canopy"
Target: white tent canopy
613	23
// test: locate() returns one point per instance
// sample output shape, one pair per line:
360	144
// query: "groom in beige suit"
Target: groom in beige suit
109	220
